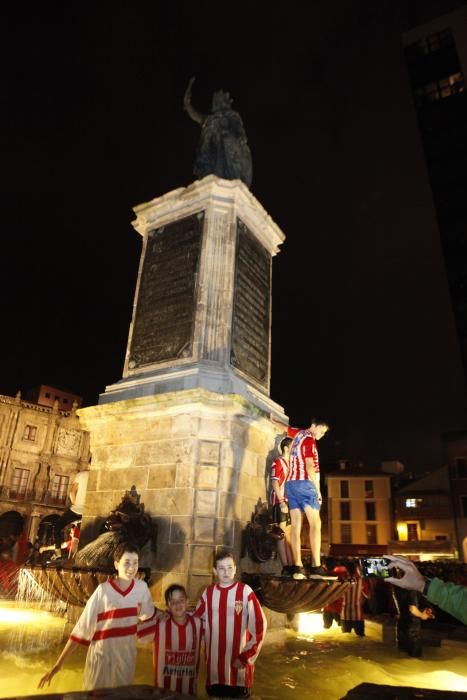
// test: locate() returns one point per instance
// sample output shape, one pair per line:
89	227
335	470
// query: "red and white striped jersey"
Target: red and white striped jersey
352	602
176	651
279	471
108	626
302	447
234	629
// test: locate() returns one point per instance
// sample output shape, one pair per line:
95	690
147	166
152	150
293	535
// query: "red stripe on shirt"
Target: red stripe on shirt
156	652
78	640
224	592
168	647
181	645
115	632
209	594
117	612
237	631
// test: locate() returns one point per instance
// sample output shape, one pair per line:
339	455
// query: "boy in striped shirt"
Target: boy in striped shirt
108	626
176	638
234	631
303	493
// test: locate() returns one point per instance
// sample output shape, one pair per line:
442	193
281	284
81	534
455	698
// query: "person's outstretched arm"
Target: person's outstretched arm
67	649
448	596
192	112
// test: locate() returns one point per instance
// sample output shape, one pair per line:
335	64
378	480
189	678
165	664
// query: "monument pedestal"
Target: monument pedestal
199	461
190	422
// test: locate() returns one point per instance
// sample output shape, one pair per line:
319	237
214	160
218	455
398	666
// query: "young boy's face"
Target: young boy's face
225	571
177	605
127	567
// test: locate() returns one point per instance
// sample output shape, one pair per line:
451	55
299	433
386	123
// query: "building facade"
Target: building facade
425	526
41	449
436	59
359	512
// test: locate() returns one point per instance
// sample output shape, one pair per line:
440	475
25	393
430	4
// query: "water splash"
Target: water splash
35	607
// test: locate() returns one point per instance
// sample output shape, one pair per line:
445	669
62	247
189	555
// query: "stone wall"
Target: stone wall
198	459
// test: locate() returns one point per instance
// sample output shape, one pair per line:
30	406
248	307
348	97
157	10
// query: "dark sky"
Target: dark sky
92	124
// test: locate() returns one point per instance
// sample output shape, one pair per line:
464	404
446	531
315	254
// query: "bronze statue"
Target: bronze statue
223	149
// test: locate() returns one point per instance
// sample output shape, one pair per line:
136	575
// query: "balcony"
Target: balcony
36	496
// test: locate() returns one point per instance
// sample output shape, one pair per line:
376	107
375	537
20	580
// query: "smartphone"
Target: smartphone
376	566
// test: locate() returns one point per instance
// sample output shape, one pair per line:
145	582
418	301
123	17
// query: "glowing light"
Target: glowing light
402	532
310	623
10	616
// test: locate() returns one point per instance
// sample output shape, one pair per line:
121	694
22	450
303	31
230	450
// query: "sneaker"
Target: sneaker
318	572
298	573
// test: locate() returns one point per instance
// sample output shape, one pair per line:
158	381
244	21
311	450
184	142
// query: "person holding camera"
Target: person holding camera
448	596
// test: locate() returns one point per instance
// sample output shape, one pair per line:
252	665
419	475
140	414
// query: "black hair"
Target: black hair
123	547
223	554
319	420
285	442
171	590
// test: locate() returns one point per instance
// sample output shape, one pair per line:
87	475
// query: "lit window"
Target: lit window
19	483
412	532
370	511
413	502
60	488
346	534
371	534
440	89
345	510
344	489
30	432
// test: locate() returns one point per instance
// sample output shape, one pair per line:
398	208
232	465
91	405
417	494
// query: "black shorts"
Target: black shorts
279	517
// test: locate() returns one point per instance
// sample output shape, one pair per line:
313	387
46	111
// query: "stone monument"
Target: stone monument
191	423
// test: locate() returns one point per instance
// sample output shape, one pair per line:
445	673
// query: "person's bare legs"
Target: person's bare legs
296	531
282	550
314	522
288	545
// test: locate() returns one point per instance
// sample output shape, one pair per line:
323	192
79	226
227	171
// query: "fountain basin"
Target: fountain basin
70	584
286	595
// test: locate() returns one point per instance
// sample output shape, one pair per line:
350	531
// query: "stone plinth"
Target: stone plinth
202	308
199	460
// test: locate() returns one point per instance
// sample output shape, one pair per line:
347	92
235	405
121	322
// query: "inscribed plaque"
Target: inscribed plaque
164	319
251	307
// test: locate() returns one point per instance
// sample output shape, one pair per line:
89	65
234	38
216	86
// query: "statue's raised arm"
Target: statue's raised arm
223	148
196	116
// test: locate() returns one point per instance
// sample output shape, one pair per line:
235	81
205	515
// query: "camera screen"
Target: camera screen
376	566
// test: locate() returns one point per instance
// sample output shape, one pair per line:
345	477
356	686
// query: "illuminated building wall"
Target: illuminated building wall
41	449
424	520
359	512
436	58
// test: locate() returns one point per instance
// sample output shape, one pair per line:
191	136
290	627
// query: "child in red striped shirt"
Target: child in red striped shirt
108	626
235	627
176	638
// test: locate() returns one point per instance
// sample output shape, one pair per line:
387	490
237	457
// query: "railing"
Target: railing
39	496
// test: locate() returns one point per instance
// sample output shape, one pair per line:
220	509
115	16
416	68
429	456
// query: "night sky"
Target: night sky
92	125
